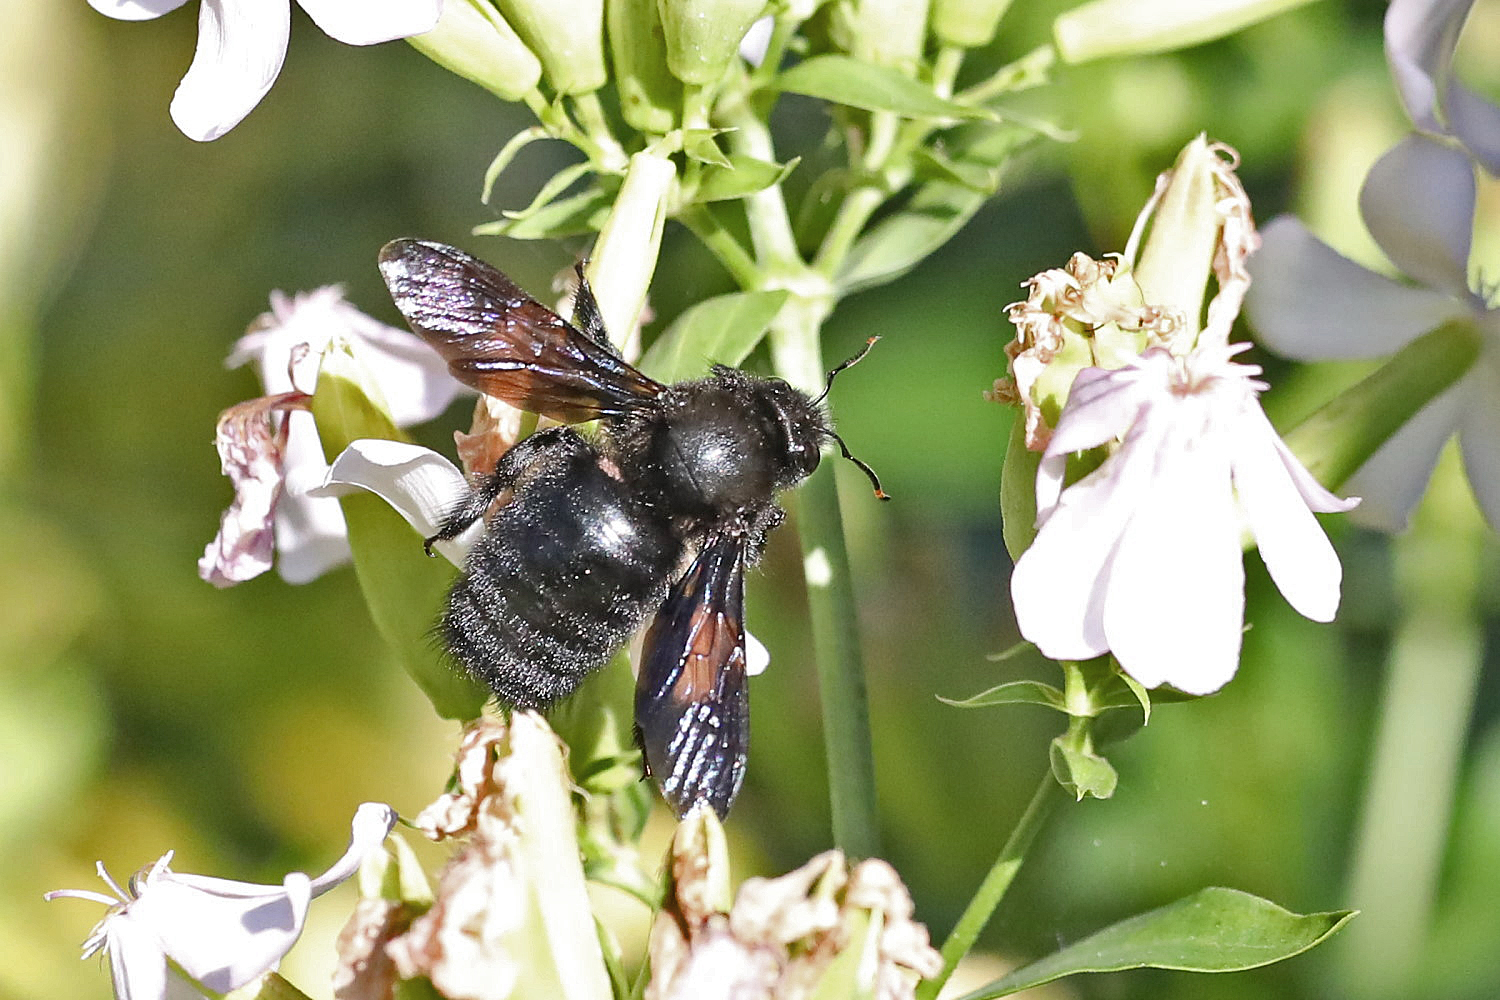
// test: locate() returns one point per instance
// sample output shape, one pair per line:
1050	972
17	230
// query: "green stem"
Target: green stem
596	126
841	674
977	914
721	243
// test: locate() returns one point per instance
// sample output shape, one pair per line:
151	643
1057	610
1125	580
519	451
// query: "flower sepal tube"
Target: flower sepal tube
650	96
474	41
567	36
883	32
703	36
967	24
402	589
1108	28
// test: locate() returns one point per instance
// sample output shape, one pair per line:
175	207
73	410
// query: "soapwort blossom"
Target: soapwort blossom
220	933
242	44
1142	557
1418	202
269	447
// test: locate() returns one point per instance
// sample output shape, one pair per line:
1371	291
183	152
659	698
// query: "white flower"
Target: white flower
221	933
1142	557
1311	303
242	44
1420	38
278	465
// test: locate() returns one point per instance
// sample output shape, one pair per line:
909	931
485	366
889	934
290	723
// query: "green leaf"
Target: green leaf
508	152
702	145
744	175
1013	693
935	212
723	329
571	216
403	589
858	84
1213	930
1081	771
932	164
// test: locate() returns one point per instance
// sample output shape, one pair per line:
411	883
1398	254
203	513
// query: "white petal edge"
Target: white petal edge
420	484
1175	608
241	46
1291	542
1058	584
1476	123
1420	38
311	536
1102	404
135	10
1479	435
137	965
1418	203
220	940
1309	302
369	22
1394	479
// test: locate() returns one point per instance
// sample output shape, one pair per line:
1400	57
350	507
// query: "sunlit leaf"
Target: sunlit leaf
580	213
858	84
1213	930
724	329
745	175
1013	693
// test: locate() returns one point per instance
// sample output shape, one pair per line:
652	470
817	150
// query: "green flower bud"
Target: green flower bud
568	37
624	257
650	96
1174	265
884	32
1134	27
704	35
473	40
967	24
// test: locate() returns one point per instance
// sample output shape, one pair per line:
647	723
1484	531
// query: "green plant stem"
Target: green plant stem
977	914
721	243
596	126
841	674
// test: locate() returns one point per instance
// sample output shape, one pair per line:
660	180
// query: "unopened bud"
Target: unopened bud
568	37
1135	27
650	96
967	24
884	32
473	40
704	35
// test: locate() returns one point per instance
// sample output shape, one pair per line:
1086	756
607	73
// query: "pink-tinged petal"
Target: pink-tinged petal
1102	404
220	940
1420	37
1051	472
413	378
251	454
1175	608
1309	302
137	965
1393	480
420	484
1418	203
311	537
1314	495
1476	123
1292	544
135	10
1058	584
368	22
1479	435
241	45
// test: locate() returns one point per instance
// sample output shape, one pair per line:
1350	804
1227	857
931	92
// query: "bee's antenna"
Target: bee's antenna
880	494
840	367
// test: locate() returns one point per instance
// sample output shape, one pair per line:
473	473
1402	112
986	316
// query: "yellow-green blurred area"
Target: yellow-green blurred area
142	710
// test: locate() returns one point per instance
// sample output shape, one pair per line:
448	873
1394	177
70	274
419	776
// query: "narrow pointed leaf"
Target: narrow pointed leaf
571	216
745	175
1213	930
1013	693
858	84
724	329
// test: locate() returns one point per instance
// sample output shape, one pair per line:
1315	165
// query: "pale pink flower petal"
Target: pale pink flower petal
311	536
1291	542
1479	434
1175	605
241	45
1476	123
1394	478
135	10
368	22
1420	39
1102	404
1311	303
250	453
1418	203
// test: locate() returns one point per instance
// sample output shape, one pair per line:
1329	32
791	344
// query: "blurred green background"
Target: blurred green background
142	710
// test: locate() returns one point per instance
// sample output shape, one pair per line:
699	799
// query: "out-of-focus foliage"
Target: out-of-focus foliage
141	709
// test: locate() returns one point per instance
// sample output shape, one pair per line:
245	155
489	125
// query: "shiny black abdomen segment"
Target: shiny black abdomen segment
564	573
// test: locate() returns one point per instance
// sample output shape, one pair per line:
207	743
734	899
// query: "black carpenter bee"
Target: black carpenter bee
584	535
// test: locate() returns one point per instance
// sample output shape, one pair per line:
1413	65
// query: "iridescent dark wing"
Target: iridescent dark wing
692	706
504	343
